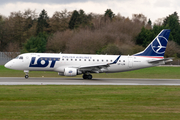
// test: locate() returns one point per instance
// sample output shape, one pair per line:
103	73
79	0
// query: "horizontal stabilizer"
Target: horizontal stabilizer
157	61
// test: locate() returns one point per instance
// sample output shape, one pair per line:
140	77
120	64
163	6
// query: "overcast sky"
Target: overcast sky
152	9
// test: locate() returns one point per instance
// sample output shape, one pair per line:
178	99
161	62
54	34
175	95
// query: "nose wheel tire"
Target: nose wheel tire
26	72
26	76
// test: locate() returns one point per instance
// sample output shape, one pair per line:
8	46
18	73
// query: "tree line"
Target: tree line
78	32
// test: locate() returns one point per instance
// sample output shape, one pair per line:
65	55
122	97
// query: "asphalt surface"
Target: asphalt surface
80	81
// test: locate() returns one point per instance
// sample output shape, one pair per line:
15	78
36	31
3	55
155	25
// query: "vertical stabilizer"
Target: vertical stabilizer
158	46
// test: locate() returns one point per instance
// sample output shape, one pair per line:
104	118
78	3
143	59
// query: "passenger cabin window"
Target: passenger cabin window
21	57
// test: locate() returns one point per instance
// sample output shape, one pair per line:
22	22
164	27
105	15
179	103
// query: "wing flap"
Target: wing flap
96	65
93	67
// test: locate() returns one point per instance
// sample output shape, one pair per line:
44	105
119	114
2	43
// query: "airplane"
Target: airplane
85	64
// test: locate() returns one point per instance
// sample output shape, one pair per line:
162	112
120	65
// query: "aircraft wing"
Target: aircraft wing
157	61
93	68
96	67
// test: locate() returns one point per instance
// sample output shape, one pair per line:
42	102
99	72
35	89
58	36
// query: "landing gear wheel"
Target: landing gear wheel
84	76
26	72
87	76
26	76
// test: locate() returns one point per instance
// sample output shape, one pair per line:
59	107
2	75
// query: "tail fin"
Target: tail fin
157	47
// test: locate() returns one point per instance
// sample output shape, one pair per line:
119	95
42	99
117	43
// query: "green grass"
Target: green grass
153	72
89	102
53	102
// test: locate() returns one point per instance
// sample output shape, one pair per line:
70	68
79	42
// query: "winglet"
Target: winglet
116	60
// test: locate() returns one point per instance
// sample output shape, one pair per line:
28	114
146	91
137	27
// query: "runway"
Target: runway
80	81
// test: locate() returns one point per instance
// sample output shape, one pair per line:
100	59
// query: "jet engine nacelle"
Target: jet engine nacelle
71	72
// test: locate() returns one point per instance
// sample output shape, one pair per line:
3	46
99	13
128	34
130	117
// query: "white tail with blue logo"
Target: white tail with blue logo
77	64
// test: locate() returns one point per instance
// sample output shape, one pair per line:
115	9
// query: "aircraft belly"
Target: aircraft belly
117	68
41	69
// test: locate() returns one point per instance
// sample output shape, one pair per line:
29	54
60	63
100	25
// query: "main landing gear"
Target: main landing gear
89	76
27	74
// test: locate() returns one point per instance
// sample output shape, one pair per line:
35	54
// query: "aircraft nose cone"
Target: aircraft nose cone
8	65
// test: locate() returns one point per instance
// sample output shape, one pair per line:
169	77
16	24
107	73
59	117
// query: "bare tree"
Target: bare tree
18	27
159	21
60	21
58	42
172	50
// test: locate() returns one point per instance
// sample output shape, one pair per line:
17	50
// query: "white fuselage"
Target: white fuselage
58	62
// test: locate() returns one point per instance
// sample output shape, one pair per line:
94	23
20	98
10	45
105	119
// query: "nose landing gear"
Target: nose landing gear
26	76
26	72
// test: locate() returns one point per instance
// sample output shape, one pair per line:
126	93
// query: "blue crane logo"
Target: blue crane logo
70	71
159	45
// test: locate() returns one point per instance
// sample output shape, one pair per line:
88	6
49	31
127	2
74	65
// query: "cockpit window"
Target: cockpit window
21	57
17	57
